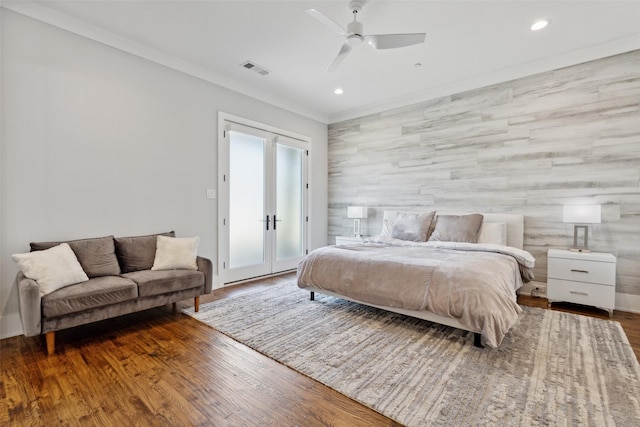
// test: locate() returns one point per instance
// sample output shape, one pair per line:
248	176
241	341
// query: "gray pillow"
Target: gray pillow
457	228
412	227
138	252
96	256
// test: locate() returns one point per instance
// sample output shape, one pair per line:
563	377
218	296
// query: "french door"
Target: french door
263	200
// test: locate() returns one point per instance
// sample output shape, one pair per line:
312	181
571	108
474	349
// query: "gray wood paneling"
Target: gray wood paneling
527	146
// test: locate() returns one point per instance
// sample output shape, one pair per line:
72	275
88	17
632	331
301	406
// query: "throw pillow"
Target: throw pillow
412	227
387	227
176	253
52	268
96	255
457	228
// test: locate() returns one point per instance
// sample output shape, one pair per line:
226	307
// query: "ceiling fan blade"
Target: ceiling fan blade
344	50
392	41
327	22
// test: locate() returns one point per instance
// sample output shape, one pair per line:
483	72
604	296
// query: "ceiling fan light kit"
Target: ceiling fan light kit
354	35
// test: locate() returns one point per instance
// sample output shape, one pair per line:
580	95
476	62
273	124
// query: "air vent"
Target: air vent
255	68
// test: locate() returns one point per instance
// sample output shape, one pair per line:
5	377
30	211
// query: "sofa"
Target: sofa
119	275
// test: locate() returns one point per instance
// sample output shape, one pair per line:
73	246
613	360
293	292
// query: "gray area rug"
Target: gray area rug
553	368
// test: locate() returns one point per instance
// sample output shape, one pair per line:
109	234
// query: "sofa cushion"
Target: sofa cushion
164	281
96	292
96	256
138	252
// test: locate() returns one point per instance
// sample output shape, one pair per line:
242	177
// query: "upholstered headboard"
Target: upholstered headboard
515	223
515	227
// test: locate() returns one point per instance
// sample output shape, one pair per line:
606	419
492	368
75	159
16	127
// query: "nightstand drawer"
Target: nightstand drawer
603	273
581	293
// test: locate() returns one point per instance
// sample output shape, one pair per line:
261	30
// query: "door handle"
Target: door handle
274	221
267	221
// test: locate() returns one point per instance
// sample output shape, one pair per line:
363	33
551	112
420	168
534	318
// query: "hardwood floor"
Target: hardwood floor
159	368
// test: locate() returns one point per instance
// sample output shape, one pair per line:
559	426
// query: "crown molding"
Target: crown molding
52	17
47	15
574	57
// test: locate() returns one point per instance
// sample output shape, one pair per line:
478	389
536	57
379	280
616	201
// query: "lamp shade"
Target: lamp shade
582	214
357	212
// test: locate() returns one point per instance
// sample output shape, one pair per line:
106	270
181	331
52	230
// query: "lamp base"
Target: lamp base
356	227
580	239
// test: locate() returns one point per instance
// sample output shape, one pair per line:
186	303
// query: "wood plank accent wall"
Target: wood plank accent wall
526	146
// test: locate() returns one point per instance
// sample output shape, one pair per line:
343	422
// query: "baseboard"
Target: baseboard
628	302
10	325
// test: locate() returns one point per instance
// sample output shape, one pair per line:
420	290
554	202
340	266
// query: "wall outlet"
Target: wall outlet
534	289
211	194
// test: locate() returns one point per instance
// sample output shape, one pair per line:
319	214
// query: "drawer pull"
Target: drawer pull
579	293
580	271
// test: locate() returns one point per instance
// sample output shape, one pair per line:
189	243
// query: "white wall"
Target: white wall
96	142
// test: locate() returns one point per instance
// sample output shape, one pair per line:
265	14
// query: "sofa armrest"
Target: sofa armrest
30	305
206	266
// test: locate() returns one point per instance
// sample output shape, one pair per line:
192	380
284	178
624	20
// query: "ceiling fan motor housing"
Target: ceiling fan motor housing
355	33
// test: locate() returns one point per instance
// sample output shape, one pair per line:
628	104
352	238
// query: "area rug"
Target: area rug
553	368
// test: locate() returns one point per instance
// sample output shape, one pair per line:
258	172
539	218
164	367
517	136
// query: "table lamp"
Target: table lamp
581	214
357	213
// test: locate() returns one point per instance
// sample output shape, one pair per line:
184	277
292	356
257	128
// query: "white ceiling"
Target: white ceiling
469	44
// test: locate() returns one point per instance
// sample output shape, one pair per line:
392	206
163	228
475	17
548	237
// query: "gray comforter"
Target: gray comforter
475	284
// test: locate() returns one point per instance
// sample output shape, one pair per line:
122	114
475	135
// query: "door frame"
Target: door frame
223	187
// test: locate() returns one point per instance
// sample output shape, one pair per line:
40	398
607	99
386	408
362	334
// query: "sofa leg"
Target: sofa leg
174	308
51	342
196	304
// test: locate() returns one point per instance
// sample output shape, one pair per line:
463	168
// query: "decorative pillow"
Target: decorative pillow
493	233
387	227
52	268
138	252
457	228
412	227
173	253
97	256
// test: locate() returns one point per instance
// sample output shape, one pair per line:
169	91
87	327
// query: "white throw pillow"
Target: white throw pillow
176	253
493	232
52	269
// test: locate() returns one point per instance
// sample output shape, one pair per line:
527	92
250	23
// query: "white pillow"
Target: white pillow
493	233
52	269
173	252
387	227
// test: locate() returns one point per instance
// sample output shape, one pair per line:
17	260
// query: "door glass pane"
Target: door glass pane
246	200
289	201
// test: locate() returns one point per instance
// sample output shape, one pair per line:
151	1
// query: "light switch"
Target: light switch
211	194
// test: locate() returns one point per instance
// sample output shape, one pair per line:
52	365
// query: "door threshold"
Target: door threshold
251	279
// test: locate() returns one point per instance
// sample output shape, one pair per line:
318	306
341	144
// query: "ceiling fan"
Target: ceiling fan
354	35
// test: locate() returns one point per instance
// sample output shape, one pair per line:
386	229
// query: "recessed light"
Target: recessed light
338	91
538	25
417	65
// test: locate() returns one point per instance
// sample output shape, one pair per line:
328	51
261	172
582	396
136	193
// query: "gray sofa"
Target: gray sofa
120	282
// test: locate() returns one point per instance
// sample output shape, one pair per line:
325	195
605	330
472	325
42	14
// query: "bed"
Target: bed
432	272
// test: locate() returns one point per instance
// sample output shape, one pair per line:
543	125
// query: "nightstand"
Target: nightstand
349	240
587	278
